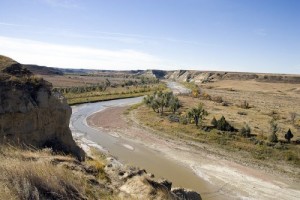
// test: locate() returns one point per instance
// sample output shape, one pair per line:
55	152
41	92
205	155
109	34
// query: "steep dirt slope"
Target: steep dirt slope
30	114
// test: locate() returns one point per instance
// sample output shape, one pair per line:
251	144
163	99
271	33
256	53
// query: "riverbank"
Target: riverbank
233	180
77	101
75	97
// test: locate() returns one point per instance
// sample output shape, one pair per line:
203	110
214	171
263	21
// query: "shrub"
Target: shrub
217	99
292	117
245	131
214	122
245	105
206	96
196	92
173	118
273	138
174	103
183	120
241	113
225	103
274	128
288	136
223	125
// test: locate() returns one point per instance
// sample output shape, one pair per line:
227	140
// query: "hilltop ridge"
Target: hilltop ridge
197	76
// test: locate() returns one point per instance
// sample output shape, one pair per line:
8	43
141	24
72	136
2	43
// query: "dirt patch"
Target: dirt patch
110	118
113	120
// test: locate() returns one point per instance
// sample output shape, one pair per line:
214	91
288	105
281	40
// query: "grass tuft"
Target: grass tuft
39	174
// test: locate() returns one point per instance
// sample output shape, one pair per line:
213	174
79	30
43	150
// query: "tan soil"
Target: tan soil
233	179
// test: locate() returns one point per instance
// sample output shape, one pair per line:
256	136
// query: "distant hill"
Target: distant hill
212	76
174	75
43	70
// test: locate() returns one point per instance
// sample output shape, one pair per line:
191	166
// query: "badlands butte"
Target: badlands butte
41	159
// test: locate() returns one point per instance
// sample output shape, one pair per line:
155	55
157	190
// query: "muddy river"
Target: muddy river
132	152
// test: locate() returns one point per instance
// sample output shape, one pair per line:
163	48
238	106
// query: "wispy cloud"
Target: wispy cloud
103	35
125	38
12	24
35	52
260	32
62	3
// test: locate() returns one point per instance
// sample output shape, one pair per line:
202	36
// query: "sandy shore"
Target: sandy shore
233	180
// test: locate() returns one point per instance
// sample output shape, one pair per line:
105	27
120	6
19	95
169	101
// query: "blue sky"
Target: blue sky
227	35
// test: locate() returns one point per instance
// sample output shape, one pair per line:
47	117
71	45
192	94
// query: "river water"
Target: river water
132	152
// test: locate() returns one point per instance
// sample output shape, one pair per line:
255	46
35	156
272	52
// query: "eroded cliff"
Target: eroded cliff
30	113
213	76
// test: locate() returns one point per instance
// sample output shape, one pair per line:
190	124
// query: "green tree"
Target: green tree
158	101
163	100
150	101
174	104
197	114
288	136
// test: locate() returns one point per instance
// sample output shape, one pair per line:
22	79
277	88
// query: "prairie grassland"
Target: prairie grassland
266	101
41	174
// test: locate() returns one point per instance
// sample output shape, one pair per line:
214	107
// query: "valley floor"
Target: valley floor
230	175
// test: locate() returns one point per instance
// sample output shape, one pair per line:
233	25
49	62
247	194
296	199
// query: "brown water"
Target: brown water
133	153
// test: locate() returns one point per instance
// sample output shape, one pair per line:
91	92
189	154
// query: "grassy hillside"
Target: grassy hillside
41	174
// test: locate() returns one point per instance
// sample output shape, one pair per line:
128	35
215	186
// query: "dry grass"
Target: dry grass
266	101
77	80
231	144
32	174
5	61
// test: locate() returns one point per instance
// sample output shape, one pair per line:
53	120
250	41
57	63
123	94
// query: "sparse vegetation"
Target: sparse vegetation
214	122
245	105
242	113
40	174
84	88
274	128
217	99
222	125
255	140
293	117
245	131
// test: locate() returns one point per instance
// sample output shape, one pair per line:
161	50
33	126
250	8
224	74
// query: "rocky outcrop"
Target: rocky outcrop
31	114
154	73
134	183
204	76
